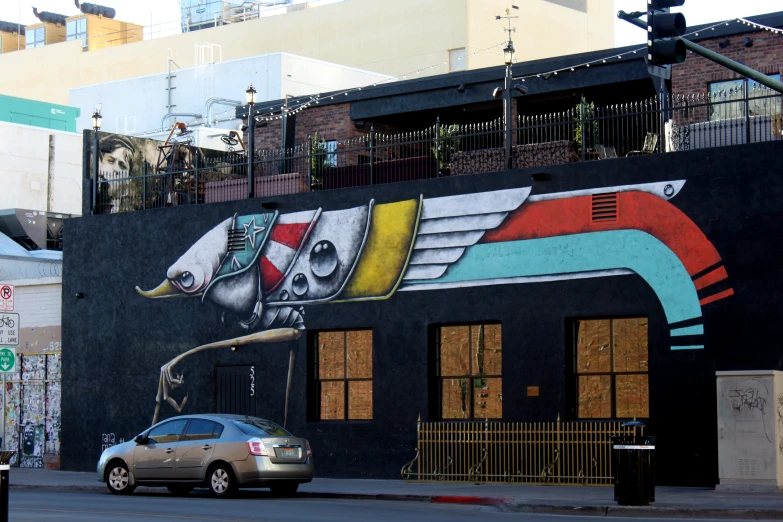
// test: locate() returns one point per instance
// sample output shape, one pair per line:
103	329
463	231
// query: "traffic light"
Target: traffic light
663	31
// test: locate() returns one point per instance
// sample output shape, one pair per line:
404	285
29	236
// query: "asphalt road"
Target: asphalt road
257	506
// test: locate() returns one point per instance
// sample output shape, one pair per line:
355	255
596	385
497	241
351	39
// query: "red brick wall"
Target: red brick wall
696	74
332	122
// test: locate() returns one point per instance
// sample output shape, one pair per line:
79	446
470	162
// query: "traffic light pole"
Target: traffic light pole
761	78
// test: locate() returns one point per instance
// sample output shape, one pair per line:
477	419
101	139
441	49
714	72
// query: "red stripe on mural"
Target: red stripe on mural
289	235
636	210
719	274
716	297
270	275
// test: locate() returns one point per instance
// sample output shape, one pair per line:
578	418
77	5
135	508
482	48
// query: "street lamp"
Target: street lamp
508	53
96	126
250	97
508	87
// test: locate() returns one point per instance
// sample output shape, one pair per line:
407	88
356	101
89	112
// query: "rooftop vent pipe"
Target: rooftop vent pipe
95	9
49	18
8	27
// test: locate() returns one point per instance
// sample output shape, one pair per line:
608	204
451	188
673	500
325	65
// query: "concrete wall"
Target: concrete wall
392	38
712	308
137	105
9	42
31	159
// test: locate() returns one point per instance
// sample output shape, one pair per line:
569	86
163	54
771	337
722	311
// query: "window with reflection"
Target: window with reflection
743	97
611	368
343	375
469	362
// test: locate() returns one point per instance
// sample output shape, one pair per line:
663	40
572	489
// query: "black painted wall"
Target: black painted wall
116	340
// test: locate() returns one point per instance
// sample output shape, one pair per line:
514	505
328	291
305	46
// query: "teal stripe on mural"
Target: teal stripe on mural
691	347
631	249
689	330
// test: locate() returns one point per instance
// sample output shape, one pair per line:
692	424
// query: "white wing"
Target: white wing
448	225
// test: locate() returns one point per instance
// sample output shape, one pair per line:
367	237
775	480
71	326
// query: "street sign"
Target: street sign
664	72
7	359
9	329
6	298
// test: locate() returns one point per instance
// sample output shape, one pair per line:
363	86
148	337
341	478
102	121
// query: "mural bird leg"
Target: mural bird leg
168	381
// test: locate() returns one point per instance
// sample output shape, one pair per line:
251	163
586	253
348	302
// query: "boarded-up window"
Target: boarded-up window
611	365
469	370
343	375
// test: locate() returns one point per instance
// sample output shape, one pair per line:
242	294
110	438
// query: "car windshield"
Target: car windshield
260	427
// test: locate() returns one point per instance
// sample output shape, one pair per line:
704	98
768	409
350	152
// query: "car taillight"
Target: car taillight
256	447
309	451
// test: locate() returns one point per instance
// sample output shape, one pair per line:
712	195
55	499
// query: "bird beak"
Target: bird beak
163	291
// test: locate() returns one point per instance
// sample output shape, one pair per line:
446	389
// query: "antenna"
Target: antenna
508	17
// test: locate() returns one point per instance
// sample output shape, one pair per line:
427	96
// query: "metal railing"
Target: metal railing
556	453
585	132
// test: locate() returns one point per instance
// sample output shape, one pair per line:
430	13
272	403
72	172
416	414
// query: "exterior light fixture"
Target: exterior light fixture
250	95
508	53
96	120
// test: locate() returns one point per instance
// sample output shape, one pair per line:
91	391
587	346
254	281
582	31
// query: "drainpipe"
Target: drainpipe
218	101
177	114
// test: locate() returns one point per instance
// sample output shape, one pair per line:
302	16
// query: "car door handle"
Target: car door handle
169	450
206	447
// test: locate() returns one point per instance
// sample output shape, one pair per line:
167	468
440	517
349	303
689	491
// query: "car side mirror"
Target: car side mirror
140	439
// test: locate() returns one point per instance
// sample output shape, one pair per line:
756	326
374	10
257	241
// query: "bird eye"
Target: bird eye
186	279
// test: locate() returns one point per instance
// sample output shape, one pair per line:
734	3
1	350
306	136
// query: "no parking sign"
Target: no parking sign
6	298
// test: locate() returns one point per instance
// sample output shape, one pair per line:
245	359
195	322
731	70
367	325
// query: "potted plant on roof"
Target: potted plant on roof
585	127
319	160
447	143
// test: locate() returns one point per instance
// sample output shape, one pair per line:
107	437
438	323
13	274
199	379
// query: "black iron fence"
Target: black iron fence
585	132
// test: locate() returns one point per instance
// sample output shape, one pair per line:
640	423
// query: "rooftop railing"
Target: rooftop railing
586	132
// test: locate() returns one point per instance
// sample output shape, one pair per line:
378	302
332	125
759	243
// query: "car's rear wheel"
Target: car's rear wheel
179	491
284	489
221	480
118	479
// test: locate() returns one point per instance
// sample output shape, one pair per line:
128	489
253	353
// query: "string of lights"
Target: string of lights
281	111
759	26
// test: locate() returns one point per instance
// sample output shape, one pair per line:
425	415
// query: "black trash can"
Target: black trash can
5	461
633	467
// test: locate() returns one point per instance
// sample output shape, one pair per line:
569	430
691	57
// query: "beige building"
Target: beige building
395	38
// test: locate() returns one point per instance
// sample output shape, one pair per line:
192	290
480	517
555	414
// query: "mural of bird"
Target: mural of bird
265	268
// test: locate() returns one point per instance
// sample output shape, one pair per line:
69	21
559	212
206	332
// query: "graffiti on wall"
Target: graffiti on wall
32	409
263	269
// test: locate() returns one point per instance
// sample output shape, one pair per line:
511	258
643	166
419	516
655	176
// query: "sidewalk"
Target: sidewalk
599	501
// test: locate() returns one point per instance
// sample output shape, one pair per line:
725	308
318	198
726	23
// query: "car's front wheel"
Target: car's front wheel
284	489
118	479
221	481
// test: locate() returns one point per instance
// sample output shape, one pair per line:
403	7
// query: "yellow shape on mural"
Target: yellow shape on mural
385	255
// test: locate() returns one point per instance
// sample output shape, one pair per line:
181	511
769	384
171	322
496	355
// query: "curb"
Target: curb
508	505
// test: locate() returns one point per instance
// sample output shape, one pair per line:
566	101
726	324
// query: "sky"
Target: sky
164	14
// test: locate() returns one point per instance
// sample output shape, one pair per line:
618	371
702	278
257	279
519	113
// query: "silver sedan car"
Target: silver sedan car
222	452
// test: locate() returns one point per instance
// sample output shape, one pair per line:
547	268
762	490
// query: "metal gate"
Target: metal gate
235	390
565	453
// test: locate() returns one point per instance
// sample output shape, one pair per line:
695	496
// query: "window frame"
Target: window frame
315	380
437	389
79	23
32	43
573	379
736	106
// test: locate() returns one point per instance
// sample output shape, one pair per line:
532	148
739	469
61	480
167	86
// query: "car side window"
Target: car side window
199	429
167	432
218	431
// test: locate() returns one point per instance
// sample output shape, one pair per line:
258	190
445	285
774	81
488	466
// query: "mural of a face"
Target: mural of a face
265	268
116	155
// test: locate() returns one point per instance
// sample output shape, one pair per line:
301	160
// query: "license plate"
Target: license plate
288	453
